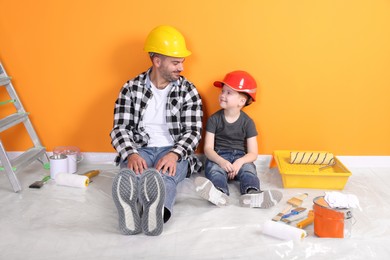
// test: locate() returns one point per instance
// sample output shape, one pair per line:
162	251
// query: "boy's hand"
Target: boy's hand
236	167
226	165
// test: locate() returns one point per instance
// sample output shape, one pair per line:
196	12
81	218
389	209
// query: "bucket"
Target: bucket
73	154
72	162
58	164
331	222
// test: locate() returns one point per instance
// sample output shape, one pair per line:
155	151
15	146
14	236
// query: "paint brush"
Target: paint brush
294	212
39	184
297	201
279	216
293	202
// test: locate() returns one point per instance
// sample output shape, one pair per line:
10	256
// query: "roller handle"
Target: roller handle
91	173
307	221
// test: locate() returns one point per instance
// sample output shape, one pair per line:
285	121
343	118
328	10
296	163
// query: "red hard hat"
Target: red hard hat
240	81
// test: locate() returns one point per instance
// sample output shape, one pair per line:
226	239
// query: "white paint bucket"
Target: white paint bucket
73	154
72	162
58	164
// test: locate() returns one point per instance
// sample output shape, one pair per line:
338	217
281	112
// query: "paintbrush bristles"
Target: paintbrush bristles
297	201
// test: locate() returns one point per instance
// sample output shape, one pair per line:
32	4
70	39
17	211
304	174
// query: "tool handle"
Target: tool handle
285	210
91	173
302	196
289	214
292	213
307	221
279	216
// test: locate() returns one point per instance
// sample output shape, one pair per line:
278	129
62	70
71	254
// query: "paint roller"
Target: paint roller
75	180
307	157
72	180
283	231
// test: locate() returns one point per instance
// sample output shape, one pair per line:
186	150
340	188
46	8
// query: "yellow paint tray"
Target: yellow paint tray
310	176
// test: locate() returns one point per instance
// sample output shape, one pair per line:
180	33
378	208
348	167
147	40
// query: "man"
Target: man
157	128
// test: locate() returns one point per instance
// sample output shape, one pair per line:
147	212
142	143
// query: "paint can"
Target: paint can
58	164
331	222
73	154
72	161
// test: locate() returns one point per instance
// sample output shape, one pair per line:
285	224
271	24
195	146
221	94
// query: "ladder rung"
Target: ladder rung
12	120
26	158
10	167
7	101
4	80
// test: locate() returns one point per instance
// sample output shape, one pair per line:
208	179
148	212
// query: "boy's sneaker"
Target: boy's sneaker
265	199
125	196
206	189
152	196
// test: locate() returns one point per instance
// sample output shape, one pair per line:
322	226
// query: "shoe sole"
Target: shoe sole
152	196
125	196
264	200
206	189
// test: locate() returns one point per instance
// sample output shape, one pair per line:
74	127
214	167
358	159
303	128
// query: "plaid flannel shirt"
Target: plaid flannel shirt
184	118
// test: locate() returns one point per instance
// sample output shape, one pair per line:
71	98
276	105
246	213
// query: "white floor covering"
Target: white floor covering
58	222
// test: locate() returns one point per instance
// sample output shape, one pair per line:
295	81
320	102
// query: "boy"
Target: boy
231	147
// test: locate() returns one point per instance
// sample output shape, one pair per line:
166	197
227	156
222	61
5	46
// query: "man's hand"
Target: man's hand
167	164
136	163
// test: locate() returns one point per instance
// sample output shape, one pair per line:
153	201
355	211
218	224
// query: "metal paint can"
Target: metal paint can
58	164
331	222
73	154
72	161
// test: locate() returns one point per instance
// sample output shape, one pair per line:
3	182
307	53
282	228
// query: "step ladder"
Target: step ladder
11	166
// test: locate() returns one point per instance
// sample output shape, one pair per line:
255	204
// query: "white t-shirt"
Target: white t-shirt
155	118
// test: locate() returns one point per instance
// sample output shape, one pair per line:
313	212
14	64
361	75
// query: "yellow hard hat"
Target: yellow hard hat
168	41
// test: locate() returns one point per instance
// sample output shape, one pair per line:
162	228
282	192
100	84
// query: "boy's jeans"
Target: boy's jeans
247	175
151	155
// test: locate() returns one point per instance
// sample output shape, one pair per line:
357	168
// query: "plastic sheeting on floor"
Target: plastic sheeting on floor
58	222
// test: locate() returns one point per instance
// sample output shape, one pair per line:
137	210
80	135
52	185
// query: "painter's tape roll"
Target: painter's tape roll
283	231
72	180
311	158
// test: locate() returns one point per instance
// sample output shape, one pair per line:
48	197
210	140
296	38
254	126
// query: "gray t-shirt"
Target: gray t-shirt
231	135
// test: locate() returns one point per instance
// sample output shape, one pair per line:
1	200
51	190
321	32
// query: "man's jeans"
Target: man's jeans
151	155
247	175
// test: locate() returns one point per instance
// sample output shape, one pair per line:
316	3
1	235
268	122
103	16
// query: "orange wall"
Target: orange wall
322	66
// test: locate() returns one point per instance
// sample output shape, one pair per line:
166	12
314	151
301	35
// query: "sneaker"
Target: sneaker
206	189
265	199
152	196
125	196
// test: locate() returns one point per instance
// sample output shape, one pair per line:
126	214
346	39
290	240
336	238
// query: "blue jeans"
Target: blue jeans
247	175
151	155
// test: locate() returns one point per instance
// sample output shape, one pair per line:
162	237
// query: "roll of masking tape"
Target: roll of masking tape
311	158
283	231
72	180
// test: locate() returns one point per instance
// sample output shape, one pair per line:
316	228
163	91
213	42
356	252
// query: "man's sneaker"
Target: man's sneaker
264	199
125	195
206	190
152	196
